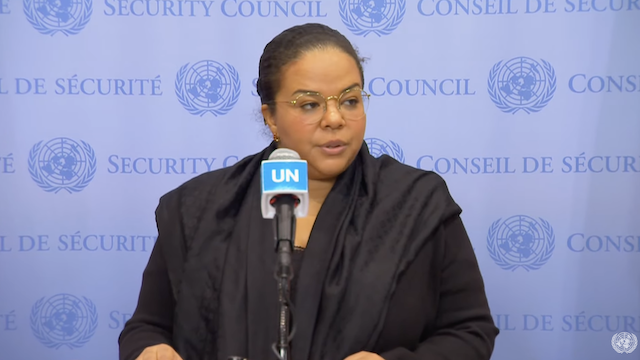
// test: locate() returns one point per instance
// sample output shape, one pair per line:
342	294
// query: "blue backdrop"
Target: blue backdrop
530	109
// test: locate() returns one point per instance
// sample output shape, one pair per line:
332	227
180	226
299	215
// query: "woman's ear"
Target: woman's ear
269	119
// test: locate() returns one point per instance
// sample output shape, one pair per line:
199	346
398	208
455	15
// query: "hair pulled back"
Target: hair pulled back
290	45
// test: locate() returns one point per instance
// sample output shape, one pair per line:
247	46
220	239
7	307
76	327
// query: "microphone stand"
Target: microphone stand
284	243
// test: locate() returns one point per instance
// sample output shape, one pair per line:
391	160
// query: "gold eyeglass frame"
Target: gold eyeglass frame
326	99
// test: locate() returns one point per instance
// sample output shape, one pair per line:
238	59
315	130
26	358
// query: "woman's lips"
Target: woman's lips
334	147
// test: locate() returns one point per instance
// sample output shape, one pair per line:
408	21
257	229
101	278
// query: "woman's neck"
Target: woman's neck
318	191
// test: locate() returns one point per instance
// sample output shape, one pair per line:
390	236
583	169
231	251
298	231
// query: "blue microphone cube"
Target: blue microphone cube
284	177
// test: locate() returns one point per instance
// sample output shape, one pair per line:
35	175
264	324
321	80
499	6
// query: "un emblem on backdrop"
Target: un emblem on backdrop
379	147
522	84
521	241
62	164
624	342
363	17
64	320
208	87
51	16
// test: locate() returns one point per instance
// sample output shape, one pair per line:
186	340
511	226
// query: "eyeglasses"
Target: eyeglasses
310	107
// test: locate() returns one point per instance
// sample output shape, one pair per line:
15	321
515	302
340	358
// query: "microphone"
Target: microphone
284	196
284	175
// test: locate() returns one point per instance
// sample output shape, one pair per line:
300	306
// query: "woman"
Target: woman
386	269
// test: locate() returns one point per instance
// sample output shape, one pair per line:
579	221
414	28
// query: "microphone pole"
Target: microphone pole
284	197
285	225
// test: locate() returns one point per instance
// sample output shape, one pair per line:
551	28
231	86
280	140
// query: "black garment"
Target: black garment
388	269
296	260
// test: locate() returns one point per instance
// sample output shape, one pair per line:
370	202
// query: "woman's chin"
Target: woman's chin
328	170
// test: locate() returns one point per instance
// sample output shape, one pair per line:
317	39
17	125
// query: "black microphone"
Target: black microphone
284	196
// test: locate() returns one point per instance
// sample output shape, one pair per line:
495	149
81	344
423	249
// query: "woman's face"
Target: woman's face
330	144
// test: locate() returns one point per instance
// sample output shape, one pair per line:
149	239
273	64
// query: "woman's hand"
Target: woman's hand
363	355
159	352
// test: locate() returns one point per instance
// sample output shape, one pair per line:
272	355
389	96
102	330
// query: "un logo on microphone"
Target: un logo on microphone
52	16
62	164
364	17
521	242
378	147
208	87
64	320
522	84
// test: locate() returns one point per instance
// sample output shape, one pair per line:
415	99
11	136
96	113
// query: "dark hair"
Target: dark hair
288	46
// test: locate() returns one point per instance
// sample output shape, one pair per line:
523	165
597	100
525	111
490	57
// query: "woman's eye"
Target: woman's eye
350	102
309	106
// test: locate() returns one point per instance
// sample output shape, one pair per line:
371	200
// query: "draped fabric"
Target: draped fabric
377	217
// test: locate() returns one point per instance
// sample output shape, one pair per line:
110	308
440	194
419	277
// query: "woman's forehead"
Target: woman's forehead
320	70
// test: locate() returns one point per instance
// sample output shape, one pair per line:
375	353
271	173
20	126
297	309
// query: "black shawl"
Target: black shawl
376	218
